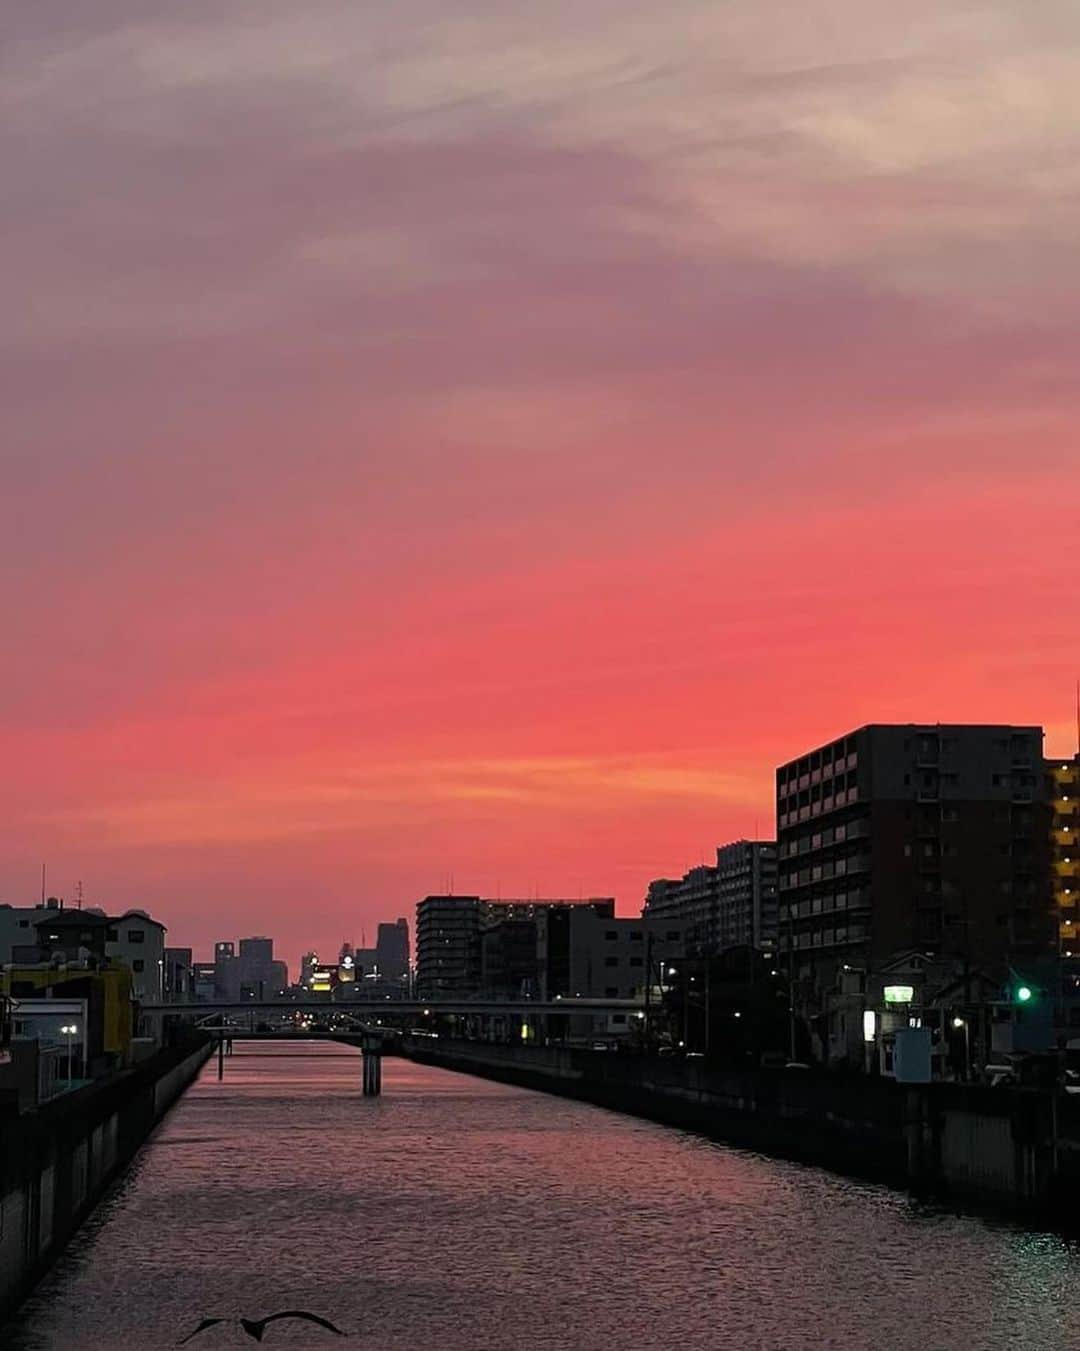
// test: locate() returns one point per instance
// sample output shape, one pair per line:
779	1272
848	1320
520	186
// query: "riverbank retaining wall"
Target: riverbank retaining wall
1013	1149
56	1162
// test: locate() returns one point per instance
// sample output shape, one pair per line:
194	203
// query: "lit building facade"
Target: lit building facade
1063	793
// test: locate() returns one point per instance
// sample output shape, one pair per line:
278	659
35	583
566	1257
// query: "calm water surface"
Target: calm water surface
454	1212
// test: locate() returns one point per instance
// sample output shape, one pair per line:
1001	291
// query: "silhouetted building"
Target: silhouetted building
71	935
899	837
254	961
204	981
226	971
508	960
731	904
179	977
392	950
279	976
308	962
134	939
449	931
586	953
691	900
447	946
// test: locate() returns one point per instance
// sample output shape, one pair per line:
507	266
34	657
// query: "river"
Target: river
457	1213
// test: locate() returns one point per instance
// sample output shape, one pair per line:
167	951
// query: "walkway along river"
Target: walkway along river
454	1212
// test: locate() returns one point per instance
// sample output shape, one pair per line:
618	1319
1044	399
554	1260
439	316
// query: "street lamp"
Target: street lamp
961	1025
69	1031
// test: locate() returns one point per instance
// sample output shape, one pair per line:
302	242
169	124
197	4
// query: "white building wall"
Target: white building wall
140	945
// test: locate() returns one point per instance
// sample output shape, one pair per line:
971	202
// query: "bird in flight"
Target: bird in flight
255	1327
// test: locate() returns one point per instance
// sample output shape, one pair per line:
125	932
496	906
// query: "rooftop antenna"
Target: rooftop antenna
78	895
1078	719
43	883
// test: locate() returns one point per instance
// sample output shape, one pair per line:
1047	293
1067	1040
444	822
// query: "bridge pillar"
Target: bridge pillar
372	1066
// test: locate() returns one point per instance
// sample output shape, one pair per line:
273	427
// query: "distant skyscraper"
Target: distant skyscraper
392	950
346	964
226	971
254	961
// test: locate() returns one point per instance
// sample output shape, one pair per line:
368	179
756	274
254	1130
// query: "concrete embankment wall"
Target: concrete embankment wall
1013	1149
55	1163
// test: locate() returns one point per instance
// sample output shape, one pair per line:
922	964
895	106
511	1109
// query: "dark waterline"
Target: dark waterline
458	1213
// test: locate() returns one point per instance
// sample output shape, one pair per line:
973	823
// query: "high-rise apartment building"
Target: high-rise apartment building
1063	794
729	904
447	946
449	933
904	837
690	900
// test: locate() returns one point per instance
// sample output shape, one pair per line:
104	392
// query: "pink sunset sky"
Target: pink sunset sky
480	441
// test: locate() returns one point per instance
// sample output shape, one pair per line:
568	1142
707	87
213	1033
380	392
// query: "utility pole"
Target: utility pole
648	989
708	1004
791	984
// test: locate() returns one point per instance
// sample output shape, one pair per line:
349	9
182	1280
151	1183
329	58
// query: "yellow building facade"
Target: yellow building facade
108	991
1063	788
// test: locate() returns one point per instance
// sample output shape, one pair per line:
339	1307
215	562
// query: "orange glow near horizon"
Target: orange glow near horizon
490	466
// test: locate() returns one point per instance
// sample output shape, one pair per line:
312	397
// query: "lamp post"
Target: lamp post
69	1031
961	1024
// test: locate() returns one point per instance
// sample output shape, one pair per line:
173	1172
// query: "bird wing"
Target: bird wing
206	1323
301	1313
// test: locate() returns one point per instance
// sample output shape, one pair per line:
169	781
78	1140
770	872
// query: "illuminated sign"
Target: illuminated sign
899	994
869	1025
323	978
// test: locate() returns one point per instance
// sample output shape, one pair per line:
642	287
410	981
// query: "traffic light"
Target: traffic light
1023	994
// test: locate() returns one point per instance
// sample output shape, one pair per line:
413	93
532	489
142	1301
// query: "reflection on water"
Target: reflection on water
457	1213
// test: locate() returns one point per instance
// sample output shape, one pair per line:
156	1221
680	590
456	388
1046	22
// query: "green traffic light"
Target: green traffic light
1023	994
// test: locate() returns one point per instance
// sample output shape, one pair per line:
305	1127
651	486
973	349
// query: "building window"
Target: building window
672	936
611	961
611	935
612	992
636	961
136	935
636	936
137	964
